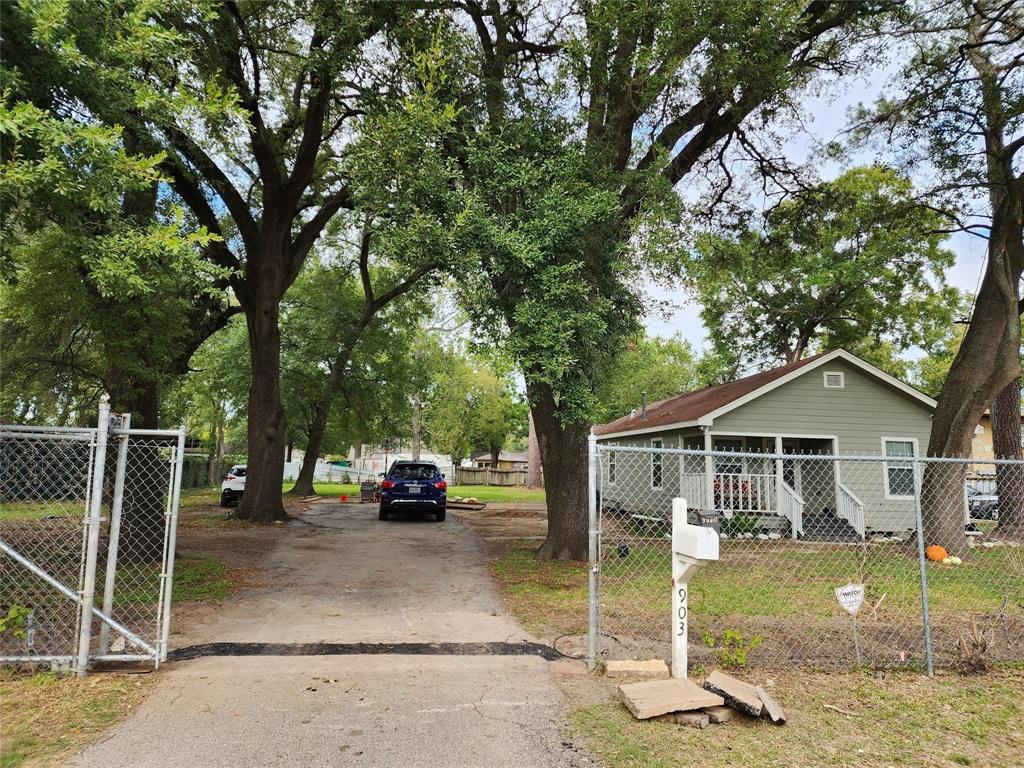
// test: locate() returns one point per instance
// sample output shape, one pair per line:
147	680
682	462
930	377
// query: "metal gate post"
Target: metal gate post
592	516
117	502
92	528
170	540
925	617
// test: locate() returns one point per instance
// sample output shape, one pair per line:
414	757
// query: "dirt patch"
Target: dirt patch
501	527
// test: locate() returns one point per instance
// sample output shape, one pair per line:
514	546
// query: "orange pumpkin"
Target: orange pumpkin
936	553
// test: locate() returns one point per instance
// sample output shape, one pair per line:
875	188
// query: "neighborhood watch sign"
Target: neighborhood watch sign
850	597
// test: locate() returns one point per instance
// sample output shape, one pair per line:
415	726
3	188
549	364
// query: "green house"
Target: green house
809	415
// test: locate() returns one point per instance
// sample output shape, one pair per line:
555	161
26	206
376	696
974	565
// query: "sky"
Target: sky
825	119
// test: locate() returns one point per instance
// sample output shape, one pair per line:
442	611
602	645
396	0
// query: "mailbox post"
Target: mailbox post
692	547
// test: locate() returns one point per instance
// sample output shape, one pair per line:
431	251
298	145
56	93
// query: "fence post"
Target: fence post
929	661
92	528
594	554
116	504
171	543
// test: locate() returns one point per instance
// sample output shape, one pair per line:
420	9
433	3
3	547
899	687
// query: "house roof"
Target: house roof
701	406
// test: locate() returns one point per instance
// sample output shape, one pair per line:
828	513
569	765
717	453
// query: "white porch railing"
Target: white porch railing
734	492
851	509
791	507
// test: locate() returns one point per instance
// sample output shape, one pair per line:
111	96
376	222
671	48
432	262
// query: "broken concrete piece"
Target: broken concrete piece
653	668
691	719
771	706
737	694
722	714
658	697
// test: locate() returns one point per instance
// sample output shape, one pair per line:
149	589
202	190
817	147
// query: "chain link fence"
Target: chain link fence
793	529
88	521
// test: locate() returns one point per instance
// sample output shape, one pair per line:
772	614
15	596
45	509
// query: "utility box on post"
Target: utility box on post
692	547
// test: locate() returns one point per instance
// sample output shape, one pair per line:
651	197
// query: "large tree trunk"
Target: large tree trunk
145	479
988	361
262	501
533	473
304	482
563	450
1006	445
417	409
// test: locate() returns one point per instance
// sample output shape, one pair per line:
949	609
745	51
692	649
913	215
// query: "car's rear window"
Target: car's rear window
238	471
414	472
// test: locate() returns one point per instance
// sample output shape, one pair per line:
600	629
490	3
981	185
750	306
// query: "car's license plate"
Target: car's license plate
414	489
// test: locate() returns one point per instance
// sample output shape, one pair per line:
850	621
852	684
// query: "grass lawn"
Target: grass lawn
47	717
14	511
489	493
901	719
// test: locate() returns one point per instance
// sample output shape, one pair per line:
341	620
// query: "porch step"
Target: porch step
826	527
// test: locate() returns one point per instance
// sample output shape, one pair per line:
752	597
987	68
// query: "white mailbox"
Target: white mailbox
692	547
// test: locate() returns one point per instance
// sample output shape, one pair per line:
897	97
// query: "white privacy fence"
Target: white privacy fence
88	520
793	529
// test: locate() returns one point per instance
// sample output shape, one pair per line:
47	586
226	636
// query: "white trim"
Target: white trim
885	465
649	430
661	462
788	435
840	374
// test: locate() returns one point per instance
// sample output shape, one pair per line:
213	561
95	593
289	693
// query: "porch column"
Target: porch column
709	471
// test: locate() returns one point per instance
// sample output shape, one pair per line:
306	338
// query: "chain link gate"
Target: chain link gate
88	521
794	528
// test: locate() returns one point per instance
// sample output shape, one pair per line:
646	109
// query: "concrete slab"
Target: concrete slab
737	694
658	697
646	668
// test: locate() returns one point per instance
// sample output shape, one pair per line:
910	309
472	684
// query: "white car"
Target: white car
233	485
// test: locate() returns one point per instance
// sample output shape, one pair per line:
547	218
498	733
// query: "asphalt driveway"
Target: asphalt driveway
338	575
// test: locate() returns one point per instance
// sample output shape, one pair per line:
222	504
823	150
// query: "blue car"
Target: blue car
414	485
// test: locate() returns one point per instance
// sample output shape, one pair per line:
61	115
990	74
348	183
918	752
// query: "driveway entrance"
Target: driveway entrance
338	575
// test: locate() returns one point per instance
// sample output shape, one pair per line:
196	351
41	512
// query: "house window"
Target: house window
728	465
611	467
899	478
656	465
835	380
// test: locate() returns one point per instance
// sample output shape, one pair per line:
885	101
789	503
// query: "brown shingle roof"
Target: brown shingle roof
690	406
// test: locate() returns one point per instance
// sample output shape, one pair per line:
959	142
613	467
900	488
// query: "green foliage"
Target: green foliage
469	406
733	649
660	367
739	524
856	263
15	621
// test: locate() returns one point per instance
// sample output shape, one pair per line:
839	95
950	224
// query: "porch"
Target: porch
796	487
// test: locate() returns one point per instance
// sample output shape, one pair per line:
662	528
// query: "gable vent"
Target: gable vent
834	380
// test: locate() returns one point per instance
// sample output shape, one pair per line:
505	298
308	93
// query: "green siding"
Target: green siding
858	415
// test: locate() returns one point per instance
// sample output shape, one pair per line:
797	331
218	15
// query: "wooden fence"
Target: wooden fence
487	476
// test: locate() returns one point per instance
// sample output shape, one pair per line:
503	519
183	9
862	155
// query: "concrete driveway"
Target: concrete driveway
338	575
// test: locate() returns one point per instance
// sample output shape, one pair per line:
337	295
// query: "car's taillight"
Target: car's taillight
441	485
385	484
229	477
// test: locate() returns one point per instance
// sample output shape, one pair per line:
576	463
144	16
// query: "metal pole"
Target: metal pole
70	594
115	530
92	526
171	539
929	660
592	519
